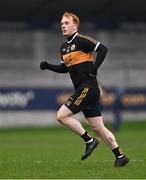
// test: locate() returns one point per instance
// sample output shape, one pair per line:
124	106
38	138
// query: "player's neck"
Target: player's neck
71	37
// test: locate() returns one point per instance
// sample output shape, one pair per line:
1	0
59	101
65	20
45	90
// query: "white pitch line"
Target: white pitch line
100	161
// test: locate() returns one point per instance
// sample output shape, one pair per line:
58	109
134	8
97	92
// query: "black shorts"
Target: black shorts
85	99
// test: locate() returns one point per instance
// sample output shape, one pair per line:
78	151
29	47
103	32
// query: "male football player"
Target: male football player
78	60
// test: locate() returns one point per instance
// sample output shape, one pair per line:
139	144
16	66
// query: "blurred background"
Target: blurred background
30	32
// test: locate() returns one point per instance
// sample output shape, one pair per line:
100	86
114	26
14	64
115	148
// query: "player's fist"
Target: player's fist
44	65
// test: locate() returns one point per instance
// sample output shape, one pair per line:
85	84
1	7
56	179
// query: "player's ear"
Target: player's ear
76	26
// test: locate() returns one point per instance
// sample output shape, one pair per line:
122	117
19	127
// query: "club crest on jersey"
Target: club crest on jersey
73	47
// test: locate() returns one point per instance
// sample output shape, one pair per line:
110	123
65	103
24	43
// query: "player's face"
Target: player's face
68	27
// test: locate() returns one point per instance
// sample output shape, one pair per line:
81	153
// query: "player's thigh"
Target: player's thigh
78	101
63	112
92	110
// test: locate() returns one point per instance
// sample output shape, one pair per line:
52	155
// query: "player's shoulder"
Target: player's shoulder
86	38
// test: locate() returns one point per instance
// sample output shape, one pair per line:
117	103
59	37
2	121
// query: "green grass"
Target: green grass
55	152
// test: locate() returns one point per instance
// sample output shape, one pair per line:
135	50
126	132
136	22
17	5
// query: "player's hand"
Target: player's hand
44	65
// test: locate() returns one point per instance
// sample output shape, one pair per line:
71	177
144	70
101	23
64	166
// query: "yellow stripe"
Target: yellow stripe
77	57
81	97
78	101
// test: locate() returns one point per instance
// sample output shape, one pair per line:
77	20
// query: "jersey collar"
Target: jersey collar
71	38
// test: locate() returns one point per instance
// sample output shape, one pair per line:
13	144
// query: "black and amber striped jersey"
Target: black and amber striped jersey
77	53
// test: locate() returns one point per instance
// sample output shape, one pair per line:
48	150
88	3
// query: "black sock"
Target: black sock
117	152
86	137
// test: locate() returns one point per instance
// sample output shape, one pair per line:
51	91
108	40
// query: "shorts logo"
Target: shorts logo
68	103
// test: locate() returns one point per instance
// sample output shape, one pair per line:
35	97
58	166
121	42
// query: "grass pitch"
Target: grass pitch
55	152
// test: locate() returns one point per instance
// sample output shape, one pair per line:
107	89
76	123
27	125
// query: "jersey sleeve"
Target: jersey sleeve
89	44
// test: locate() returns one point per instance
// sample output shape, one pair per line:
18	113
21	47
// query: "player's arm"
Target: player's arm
61	68
89	44
101	53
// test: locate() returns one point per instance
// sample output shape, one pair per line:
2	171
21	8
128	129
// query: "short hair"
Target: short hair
74	17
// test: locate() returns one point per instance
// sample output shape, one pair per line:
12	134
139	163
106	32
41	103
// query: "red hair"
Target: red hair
74	17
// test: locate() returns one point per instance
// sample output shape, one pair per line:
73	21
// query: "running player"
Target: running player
78	61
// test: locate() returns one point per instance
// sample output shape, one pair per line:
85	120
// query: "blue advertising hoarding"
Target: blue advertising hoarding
130	99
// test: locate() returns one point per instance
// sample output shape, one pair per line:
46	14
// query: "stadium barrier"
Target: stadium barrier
131	99
23	102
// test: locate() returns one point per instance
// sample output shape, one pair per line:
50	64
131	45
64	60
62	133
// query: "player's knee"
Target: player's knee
60	117
95	128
